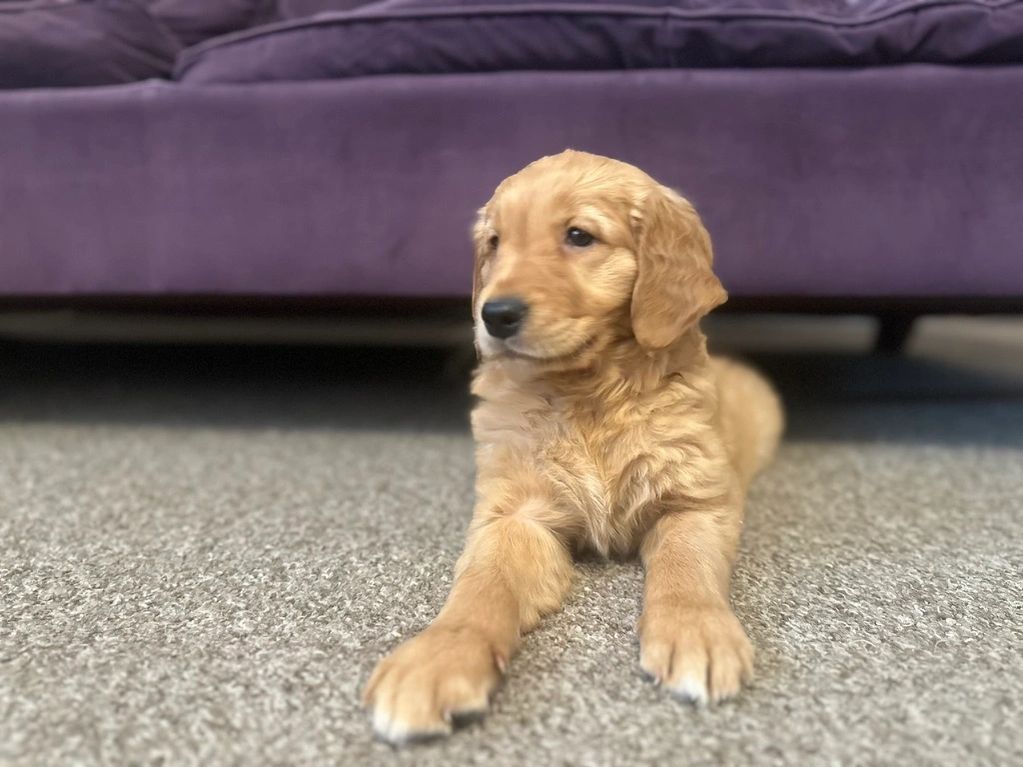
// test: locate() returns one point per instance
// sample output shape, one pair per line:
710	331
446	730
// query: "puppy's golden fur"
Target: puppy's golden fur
602	424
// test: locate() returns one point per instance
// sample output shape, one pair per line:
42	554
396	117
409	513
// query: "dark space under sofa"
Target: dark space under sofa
846	157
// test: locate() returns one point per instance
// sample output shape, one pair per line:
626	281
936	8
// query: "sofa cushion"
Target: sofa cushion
884	182
295	9
196	20
441	36
55	43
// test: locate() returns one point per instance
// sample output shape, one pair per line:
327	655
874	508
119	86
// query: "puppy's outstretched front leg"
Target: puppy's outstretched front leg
689	637
513	571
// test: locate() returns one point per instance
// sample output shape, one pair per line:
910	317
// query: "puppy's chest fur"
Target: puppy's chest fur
598	467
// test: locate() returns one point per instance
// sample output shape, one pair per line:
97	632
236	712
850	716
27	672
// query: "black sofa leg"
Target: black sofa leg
893	332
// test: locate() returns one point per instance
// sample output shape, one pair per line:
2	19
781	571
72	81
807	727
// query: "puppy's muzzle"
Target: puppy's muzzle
503	317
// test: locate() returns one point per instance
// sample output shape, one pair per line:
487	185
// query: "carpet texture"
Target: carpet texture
203	552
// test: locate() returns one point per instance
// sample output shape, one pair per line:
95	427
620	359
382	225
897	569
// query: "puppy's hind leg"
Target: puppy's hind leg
751	417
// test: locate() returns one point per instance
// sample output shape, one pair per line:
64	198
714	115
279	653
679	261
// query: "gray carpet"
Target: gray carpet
203	551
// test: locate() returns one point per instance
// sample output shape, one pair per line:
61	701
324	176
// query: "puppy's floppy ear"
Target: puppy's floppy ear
481	246
675	283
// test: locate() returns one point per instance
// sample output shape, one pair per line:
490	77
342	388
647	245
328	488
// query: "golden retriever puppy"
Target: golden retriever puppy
602	425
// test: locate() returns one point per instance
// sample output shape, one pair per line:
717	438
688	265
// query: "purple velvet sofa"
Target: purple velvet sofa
837	149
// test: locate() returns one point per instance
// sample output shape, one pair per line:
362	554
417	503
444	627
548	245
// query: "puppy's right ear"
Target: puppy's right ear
481	233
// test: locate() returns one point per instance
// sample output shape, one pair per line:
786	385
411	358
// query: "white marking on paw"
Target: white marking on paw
398	732
691	689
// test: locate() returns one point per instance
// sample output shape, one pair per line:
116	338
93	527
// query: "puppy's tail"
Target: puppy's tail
751	415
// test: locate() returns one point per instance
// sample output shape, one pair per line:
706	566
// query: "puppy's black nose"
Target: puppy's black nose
503	316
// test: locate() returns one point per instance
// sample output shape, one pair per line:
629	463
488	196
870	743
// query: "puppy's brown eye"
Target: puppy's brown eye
493	241
578	238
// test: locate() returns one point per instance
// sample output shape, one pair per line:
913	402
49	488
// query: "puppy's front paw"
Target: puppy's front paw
444	674
701	654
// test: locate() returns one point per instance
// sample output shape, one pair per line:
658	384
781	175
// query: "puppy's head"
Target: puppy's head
576	251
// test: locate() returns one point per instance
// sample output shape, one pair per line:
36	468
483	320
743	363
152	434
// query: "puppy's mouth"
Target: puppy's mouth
508	350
